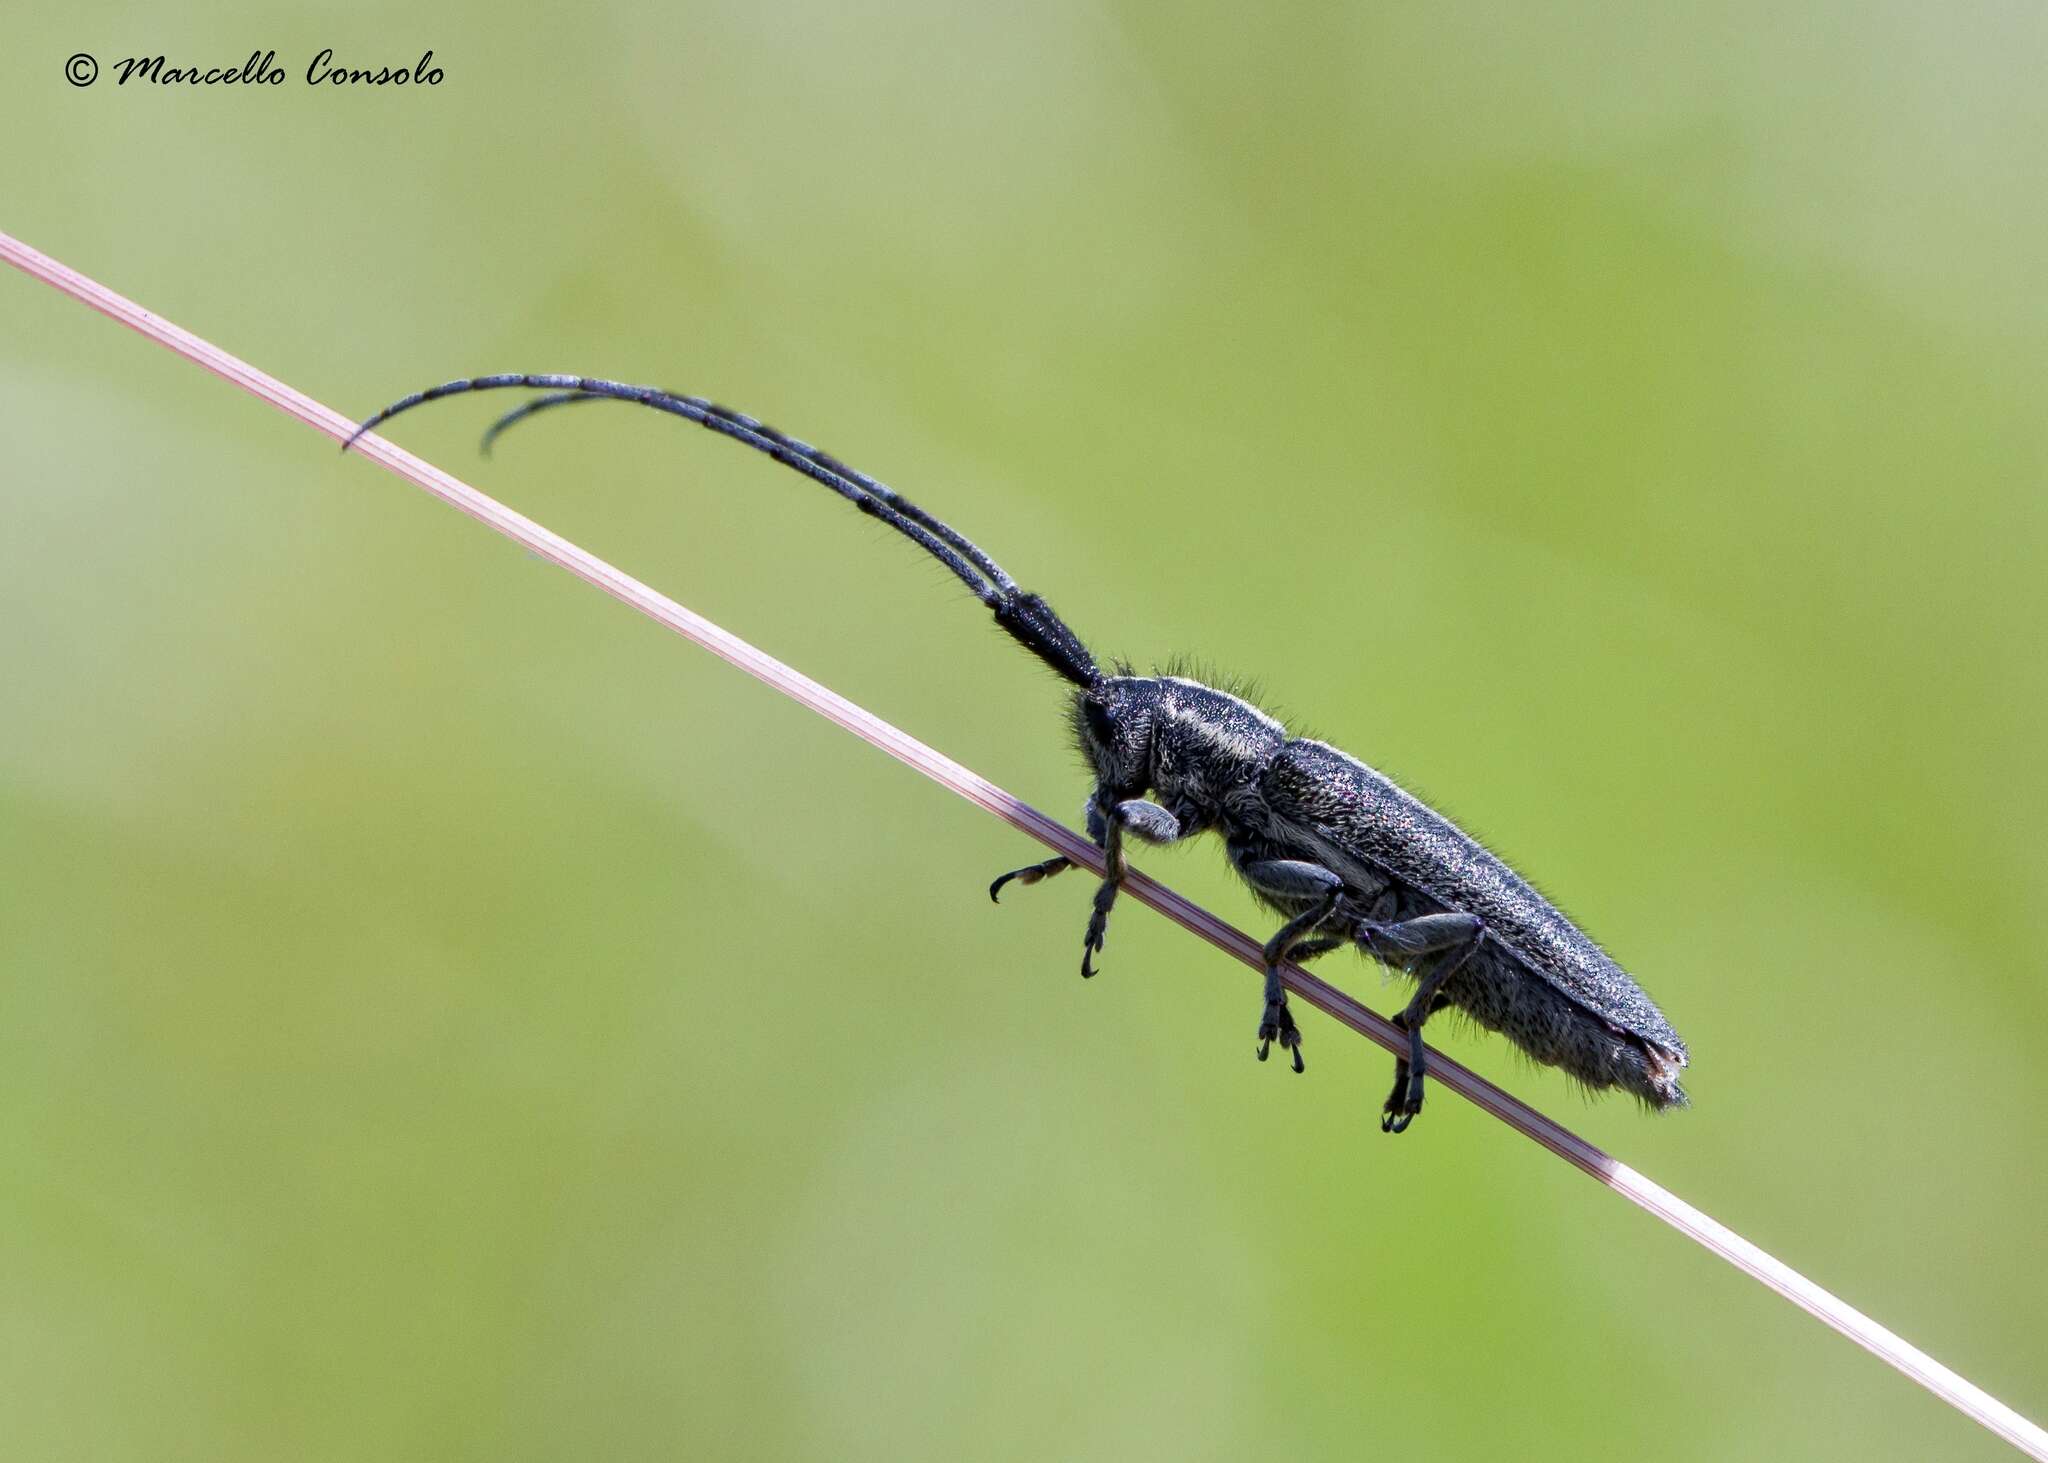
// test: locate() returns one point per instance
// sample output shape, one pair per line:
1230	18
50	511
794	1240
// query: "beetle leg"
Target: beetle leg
1146	821
1452	938
1308	950
1105	897
1292	881
1030	874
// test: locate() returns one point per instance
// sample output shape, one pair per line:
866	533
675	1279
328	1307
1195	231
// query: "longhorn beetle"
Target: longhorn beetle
1337	850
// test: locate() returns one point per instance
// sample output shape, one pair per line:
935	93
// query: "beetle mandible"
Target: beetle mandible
1340	852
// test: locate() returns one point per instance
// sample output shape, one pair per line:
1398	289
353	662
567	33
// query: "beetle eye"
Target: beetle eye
1101	725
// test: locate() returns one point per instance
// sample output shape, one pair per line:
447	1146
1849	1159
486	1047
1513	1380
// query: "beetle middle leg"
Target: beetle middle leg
1452	938
1291	882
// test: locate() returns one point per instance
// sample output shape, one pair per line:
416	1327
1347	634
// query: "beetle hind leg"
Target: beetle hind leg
1452	938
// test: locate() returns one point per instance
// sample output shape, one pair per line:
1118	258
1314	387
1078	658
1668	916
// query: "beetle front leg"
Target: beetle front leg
1294	881
1451	937
1146	821
1059	864
1029	874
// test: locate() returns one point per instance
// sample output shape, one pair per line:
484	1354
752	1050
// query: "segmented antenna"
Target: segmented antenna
825	460
1027	618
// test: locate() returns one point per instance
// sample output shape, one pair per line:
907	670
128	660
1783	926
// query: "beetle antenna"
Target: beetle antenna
1023	615
888	495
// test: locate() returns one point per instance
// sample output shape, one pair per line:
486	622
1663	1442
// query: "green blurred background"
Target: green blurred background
445	1016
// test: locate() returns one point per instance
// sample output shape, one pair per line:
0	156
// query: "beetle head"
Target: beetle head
1113	722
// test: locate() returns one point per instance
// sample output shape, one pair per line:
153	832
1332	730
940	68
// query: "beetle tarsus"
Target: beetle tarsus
1090	948
1278	1025
1029	874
